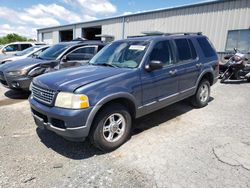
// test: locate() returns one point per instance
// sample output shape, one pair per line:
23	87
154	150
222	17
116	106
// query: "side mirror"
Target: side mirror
3	50
235	49
154	65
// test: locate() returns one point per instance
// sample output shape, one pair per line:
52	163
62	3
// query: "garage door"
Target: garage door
47	38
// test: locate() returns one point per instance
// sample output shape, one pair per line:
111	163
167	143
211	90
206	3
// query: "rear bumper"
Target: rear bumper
68	123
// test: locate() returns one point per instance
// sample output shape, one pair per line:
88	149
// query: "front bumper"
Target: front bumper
17	82
69	123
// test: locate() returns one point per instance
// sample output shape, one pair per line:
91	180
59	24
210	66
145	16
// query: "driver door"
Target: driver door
160	86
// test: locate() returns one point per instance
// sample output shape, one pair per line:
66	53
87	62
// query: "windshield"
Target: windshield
53	52
122	54
26	51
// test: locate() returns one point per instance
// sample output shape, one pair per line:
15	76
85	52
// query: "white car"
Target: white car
12	48
33	51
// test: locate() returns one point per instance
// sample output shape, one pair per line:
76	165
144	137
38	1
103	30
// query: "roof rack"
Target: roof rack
158	33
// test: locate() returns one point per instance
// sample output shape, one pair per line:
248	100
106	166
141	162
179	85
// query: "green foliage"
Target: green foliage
12	38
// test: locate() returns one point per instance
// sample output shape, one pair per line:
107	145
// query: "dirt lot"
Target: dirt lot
178	146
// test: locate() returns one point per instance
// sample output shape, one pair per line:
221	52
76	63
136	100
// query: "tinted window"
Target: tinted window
11	48
162	52
84	53
89	50
25	46
206	47
185	49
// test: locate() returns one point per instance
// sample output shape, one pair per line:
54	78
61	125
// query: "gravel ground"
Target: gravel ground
178	146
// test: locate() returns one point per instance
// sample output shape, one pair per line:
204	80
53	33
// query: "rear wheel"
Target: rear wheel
111	127
202	95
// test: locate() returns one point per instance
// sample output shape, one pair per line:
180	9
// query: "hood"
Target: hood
20	64
70	79
3	57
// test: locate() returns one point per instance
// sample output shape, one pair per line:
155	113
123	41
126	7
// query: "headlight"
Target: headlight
17	73
72	101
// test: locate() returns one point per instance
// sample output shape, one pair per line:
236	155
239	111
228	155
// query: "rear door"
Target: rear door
188	65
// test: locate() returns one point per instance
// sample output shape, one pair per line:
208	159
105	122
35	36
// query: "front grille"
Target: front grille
43	95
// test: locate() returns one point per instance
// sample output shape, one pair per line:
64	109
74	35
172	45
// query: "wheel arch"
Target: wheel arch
125	99
206	75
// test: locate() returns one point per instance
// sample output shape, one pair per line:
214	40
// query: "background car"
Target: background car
12	48
33	51
19	74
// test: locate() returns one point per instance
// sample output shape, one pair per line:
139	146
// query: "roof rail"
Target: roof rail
158	33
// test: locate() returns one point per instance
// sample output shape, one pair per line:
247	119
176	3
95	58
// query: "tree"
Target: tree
13	37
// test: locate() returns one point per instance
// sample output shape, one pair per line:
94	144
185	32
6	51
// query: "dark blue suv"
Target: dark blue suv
125	80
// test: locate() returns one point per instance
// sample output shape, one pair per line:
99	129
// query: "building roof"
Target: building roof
208	2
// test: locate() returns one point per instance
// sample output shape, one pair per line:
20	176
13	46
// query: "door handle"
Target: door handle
173	72
198	65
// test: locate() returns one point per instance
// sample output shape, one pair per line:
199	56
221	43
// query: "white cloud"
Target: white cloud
94	7
126	13
55	11
23	30
24	21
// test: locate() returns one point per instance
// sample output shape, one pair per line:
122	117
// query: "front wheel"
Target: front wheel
111	127
202	95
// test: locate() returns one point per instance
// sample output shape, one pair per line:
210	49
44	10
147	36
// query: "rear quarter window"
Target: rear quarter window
206	47
185	49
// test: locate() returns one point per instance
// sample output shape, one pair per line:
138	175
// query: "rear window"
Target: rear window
206	47
185	49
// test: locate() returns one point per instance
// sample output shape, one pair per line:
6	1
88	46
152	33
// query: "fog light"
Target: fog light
15	84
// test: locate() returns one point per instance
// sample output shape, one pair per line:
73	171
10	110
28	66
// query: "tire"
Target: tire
248	80
102	138
202	95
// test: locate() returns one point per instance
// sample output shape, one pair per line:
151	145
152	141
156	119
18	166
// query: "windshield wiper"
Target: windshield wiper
107	65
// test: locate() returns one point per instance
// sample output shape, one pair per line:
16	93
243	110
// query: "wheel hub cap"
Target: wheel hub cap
114	127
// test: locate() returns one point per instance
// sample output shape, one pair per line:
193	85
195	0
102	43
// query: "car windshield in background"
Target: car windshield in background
53	52
26	51
122	54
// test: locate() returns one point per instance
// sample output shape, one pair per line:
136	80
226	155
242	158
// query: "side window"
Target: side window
185	49
11	48
84	53
207	49
38	52
25	46
162	52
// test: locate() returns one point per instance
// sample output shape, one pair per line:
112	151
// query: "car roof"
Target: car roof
27	42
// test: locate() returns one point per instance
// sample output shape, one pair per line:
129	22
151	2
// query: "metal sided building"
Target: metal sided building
225	22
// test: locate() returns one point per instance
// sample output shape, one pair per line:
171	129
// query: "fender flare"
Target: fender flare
202	74
105	100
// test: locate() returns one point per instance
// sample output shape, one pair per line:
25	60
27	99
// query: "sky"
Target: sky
25	16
